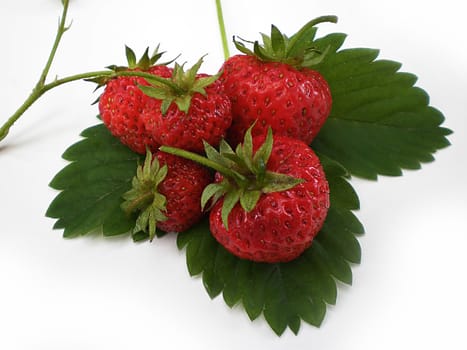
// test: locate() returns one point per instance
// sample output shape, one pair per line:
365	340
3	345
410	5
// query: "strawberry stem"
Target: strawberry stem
220	18
60	31
38	88
206	162
41	87
144	196
141	201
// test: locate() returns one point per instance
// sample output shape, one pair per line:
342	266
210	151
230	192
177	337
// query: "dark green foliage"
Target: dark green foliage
92	184
285	292
380	122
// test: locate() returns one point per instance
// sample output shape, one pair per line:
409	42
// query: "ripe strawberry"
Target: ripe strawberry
167	193
124	107
275	85
201	110
271	199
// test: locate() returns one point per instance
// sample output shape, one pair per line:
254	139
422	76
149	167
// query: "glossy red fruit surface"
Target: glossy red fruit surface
208	119
294	102
124	108
182	187
282	224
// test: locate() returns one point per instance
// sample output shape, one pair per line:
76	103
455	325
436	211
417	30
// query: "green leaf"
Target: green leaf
277	41
153	92
241	46
267	42
92	184
245	151
144	199
144	61
284	293
201	83
298	50
230	200
261	52
219	156
277	182
248	199
261	157
180	87
144	236
380	121
131	57
213	191
302	40
183	103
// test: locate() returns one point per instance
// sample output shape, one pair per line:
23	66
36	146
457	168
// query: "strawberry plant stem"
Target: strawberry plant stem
38	88
41	87
220	18
207	163
60	31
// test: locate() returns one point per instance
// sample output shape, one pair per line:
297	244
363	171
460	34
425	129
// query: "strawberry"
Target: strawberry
194	108
166	193
124	107
275	85
270	198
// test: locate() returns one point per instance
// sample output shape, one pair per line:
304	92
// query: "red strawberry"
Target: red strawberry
167	193
124	107
271	200
201	111
275	85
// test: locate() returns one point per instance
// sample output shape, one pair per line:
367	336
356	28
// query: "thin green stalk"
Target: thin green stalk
220	18
41	87
60	31
206	162
108	74
38	89
143	200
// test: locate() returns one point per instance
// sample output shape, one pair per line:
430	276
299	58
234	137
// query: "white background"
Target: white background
410	292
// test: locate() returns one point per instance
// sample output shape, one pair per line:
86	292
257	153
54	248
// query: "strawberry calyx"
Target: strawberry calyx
244	173
144	63
180	87
298	50
144	197
135	66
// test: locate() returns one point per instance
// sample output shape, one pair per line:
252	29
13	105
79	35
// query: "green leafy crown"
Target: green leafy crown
245	177
179	88
144	196
144	63
298	51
